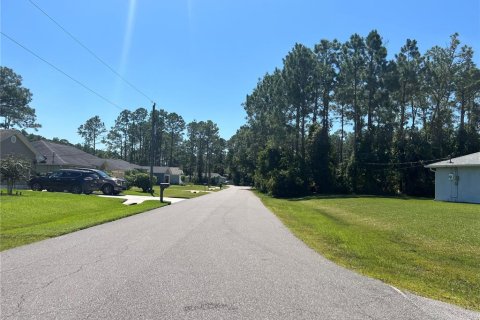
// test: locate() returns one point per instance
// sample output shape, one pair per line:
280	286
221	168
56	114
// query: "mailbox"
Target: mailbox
163	186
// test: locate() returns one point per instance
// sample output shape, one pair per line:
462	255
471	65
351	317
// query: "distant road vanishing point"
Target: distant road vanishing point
219	256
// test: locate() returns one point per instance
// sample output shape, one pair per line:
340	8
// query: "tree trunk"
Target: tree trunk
160	142
171	149
370	112
303	137
342	120
461	129
402	112
325	115
414	114
297	129
315	108
10	183
94	142
125	146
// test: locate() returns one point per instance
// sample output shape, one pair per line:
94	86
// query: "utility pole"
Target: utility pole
152	149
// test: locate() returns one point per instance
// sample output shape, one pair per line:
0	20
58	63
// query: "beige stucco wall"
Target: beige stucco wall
18	149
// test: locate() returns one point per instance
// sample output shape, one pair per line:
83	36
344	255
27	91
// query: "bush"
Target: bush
280	174
130	179
13	169
286	183
140	179
143	181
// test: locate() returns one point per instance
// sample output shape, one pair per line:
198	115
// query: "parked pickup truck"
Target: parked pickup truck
106	184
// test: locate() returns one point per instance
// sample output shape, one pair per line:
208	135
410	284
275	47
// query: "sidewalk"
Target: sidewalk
129	199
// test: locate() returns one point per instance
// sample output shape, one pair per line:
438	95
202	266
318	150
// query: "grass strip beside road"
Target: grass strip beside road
427	247
36	216
175	191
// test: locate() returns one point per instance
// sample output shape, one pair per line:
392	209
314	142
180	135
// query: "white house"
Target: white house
172	175
458	179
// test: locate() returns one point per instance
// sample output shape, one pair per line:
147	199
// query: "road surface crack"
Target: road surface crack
24	296
209	306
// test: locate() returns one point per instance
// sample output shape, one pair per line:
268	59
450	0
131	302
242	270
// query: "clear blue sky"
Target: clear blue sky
199	58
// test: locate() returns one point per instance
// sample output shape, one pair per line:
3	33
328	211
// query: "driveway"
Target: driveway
131	199
219	256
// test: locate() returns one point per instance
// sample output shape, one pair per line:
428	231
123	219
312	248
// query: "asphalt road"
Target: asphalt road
220	256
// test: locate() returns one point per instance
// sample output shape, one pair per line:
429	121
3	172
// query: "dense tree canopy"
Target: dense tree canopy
196	147
341	117
338	117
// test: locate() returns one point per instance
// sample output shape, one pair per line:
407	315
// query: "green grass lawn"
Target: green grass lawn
175	191
428	247
36	216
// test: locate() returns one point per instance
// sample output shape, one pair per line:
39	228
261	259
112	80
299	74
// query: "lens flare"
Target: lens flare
127	40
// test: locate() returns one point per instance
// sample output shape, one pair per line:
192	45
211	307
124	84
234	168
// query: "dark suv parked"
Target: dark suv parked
106	184
72	180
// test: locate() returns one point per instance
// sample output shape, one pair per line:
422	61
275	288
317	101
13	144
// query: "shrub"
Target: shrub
286	183
13	169
280	174
140	179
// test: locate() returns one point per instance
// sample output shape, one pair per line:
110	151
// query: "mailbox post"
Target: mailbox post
163	186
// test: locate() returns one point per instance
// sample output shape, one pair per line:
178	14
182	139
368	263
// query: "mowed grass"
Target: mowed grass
36	216
427	247
175	191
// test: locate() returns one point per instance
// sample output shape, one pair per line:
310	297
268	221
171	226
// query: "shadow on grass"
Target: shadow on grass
353	196
340	196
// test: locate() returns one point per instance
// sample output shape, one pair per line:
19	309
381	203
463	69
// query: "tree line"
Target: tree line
342	117
335	118
196	147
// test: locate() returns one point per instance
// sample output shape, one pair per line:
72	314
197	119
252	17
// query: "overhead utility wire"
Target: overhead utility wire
402	163
61	71
91	52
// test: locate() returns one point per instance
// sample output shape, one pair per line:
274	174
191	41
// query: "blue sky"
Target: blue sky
199	58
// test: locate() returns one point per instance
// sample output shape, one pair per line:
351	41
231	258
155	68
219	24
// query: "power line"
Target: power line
421	162
90	51
61	71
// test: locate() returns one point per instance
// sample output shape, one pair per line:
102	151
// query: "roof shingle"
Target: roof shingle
469	160
60	154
